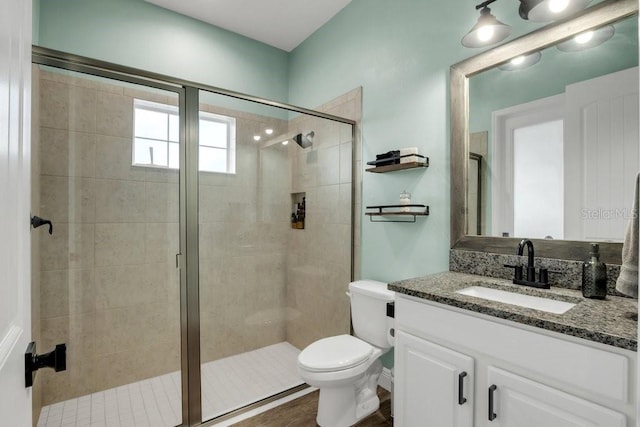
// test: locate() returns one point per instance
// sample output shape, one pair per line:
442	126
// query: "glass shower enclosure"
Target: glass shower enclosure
201	239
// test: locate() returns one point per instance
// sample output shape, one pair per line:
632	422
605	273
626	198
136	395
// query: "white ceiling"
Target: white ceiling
280	23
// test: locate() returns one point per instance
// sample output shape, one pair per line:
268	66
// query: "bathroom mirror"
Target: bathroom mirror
466	132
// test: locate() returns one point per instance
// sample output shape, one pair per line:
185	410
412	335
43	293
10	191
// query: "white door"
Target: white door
433	384
519	402
601	155
15	195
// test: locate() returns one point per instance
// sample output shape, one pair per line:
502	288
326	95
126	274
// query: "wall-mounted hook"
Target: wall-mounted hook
36	222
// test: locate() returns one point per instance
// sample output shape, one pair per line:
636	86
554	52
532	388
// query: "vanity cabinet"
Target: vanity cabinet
516	375
519	402
437	386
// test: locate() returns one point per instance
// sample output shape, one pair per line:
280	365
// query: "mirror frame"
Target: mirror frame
599	15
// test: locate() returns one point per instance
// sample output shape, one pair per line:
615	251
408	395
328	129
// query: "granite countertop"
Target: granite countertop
606	321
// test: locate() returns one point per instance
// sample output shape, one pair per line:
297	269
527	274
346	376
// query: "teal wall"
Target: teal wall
141	35
400	53
35	11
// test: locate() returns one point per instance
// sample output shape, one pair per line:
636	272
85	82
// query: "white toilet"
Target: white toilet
346	368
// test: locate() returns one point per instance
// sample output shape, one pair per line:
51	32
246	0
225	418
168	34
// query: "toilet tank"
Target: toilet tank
369	300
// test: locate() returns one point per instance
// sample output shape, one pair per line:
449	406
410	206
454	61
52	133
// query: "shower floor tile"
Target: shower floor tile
227	384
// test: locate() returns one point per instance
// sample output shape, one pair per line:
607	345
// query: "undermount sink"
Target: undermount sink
528	301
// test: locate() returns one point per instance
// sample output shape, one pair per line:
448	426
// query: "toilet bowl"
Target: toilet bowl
346	368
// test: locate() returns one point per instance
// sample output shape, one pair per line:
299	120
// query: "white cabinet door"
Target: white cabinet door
518	402
433	385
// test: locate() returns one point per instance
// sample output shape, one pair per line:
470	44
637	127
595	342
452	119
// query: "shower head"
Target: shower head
304	141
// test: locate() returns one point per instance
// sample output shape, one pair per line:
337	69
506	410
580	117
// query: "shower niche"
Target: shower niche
299	210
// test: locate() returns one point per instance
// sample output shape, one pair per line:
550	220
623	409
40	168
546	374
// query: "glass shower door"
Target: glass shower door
105	172
274	246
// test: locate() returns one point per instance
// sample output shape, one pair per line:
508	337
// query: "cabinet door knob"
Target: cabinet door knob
492	415
461	399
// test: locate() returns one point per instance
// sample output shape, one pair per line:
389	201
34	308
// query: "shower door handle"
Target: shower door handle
36	222
56	359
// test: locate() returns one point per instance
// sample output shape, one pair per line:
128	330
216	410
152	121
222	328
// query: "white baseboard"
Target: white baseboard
385	379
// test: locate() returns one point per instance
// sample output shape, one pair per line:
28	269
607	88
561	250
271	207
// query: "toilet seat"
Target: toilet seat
335	354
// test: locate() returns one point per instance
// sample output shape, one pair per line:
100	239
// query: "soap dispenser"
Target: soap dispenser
594	275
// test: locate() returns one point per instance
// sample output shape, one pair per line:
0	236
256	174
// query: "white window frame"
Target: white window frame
169	110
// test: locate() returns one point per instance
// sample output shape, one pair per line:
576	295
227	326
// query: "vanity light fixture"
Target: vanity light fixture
587	40
488	30
549	10
521	62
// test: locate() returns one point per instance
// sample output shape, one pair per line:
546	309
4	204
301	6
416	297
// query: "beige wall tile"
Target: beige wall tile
328	165
131	328
67	292
124	367
344	204
67	199
114	115
325	206
120	201
130	286
54	105
162	242
82	109
64	153
114	159
346	160
161	202
120	244
70	246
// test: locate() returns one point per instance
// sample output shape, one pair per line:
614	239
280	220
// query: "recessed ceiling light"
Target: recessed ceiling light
268	131
285	142
256	137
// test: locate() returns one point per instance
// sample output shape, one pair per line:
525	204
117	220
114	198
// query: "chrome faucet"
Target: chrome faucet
530	279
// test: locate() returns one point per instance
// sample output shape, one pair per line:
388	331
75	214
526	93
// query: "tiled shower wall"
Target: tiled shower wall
107	277
319	257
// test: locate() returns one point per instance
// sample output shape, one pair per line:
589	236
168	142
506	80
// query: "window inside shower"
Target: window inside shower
113	283
156	138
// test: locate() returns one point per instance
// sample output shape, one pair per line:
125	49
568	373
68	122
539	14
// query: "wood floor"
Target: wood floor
301	412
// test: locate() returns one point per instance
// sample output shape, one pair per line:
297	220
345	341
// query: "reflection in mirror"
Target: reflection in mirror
560	133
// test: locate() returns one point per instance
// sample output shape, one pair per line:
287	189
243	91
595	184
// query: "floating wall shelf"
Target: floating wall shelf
397	211
400	166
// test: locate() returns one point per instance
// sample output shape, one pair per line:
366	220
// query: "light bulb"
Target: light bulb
584	37
485	33
557	6
518	60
